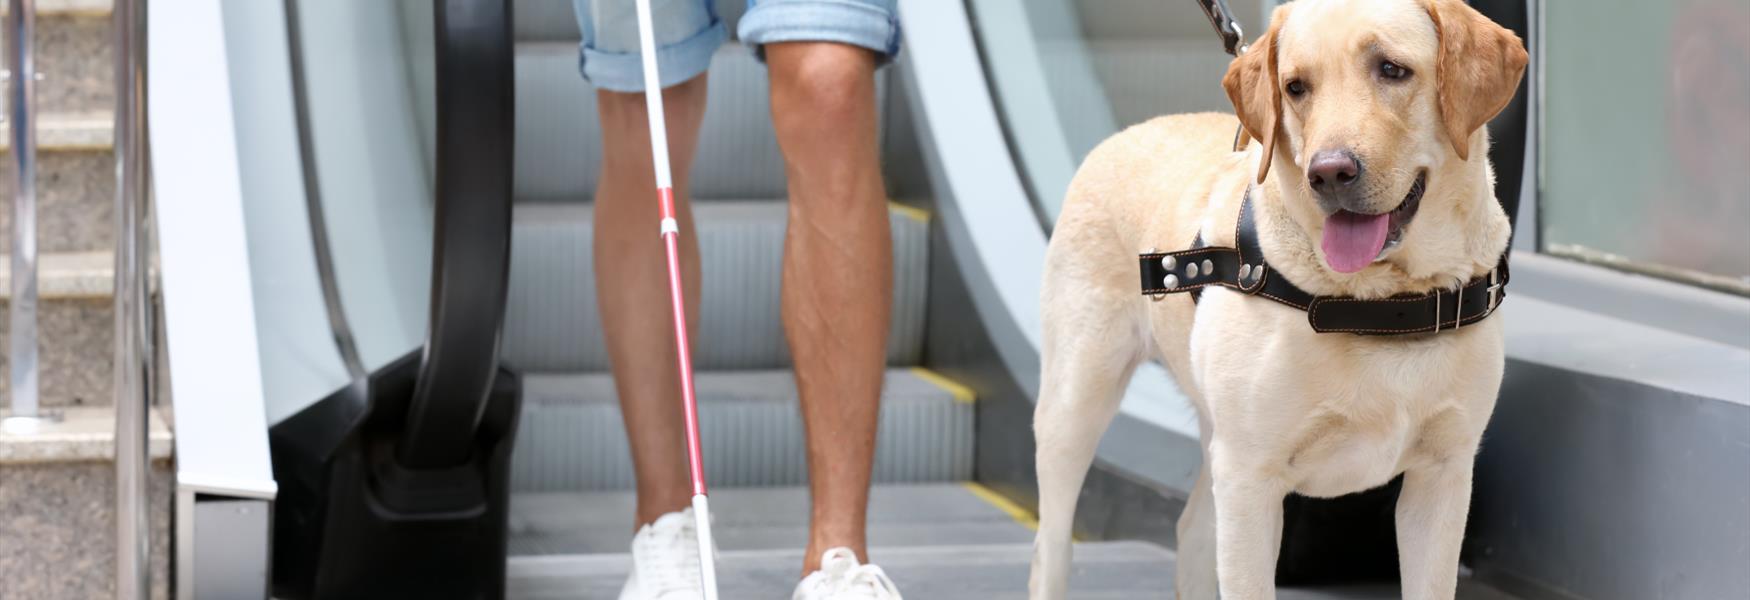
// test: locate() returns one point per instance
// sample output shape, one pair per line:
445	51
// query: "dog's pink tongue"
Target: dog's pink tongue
1353	240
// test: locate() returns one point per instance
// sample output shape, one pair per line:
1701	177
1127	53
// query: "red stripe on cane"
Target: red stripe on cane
677	301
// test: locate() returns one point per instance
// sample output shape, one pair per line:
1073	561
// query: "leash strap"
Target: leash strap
1243	269
1233	39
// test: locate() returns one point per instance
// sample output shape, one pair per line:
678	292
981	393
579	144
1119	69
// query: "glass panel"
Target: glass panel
367	69
1069	73
1646	153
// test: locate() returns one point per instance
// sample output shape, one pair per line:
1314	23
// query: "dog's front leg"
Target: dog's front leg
1430	519
1248	524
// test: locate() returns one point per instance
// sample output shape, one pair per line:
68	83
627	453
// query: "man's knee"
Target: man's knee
819	88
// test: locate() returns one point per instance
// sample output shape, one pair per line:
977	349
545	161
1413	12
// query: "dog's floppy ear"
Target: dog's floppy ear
1257	97
1479	67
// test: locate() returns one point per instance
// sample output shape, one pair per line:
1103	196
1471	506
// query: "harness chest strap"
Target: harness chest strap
1243	269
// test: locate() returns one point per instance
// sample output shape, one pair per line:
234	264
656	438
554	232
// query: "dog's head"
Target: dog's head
1359	102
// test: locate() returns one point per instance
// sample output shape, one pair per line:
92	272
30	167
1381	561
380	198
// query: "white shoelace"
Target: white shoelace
841	578
669	565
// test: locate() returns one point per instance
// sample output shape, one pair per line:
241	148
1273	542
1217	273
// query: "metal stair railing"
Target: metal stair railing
27	413
133	363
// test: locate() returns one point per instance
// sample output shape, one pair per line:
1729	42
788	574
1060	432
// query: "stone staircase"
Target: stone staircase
57	490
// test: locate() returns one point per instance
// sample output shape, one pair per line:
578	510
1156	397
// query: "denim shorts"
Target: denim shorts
688	32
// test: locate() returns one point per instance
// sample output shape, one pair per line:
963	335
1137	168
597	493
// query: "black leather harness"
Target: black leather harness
1243	269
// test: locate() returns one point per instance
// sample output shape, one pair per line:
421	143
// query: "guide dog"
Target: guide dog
1366	177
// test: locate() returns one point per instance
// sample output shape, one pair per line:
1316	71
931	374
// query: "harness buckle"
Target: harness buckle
1436	312
1160	296
1458	313
1495	284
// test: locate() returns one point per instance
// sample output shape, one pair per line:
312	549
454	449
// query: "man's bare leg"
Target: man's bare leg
823	107
631	276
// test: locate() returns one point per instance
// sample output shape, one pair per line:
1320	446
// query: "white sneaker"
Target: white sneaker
665	560
841	578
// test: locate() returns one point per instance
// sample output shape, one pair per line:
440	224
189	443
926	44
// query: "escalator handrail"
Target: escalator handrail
472	223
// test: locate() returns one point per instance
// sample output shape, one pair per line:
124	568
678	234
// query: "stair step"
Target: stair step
66	275
75	327
572	438
74	61
552	323
75	195
764	518
77	434
76	350
558	140
67	131
57	507
83	8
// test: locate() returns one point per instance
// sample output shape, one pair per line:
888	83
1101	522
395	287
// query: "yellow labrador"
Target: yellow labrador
1368	177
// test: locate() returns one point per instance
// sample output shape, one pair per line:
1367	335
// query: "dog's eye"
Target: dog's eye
1296	88
1392	70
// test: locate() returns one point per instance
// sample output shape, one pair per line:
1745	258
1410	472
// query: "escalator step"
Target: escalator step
558	139
1103	570
552	324
764	518
572	438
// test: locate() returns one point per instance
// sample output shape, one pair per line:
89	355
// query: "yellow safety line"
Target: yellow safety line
961	393
1021	515
912	212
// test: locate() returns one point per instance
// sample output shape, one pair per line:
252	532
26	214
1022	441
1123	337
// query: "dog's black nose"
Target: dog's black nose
1333	170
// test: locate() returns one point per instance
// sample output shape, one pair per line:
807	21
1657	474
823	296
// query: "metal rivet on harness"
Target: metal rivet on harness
1245	273
1169	263
1172	281
1208	266
1191	271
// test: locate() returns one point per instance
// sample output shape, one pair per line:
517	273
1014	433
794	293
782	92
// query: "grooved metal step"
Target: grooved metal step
768	518
1124	570
939	541
558	139
552	323
572	438
1104	571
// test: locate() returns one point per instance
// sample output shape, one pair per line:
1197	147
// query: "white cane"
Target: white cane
670	231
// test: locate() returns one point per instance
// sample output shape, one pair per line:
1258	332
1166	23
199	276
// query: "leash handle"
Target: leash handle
671	232
1233	39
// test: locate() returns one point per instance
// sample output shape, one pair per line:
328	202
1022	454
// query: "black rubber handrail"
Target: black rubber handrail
471	241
